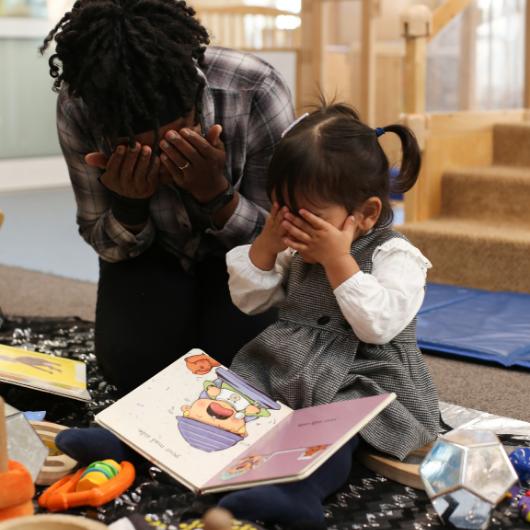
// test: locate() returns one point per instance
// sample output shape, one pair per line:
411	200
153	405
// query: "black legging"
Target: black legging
150	312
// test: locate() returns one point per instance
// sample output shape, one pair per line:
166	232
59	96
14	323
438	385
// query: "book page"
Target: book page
193	418
44	372
300	444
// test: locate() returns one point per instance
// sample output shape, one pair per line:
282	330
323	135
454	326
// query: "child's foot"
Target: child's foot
91	444
284	504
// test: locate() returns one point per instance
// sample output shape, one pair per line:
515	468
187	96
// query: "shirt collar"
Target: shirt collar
207	117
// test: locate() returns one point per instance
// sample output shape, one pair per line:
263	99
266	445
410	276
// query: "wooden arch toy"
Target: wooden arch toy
63	495
57	464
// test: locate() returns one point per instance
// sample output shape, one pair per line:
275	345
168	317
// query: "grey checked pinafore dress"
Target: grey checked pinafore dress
311	356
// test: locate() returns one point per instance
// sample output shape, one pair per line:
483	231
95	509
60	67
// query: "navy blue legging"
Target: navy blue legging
150	312
296	502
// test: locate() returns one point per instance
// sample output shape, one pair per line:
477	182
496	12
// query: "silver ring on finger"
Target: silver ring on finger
186	165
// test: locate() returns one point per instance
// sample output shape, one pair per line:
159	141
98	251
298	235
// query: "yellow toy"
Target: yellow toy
97	474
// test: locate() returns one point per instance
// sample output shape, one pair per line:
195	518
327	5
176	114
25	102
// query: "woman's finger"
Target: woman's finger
128	165
142	168
153	177
98	160
176	174
202	146
115	162
184	147
174	155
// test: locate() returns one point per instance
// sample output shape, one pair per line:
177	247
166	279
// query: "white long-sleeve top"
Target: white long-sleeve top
378	306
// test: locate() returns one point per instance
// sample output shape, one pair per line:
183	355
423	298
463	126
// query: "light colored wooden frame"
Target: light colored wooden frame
370	10
457	140
460	139
235	12
527	57
445	13
311	52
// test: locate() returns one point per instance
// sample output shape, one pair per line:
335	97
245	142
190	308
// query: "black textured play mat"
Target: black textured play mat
367	501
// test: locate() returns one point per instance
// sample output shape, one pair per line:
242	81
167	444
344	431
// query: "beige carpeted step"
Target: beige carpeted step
488	194
511	144
473	253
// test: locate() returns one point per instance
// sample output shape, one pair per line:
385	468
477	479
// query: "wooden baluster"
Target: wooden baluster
526	98
368	60
417	24
311	52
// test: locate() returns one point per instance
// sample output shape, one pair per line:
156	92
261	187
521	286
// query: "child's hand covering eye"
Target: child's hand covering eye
270	242
316	240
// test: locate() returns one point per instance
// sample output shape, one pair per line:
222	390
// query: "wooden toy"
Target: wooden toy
52	522
406	472
16	484
63	495
57	464
217	519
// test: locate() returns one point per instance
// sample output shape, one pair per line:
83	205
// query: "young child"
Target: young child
347	287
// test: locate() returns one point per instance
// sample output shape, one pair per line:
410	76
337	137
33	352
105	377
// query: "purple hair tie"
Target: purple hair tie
379	131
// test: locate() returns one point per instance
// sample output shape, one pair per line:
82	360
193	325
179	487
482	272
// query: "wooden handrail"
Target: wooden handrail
243	10
445	13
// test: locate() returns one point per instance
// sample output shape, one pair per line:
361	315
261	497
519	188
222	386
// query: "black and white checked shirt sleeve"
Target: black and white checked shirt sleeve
253	104
271	113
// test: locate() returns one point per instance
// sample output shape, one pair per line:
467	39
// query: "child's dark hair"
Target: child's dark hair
331	156
128	60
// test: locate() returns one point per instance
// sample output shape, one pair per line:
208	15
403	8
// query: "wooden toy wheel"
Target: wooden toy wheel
57	464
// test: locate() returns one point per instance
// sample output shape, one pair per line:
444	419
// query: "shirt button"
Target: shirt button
322	321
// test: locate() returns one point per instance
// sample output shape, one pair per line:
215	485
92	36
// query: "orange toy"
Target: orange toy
63	495
16	484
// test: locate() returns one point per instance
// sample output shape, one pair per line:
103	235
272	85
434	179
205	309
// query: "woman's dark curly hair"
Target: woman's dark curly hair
130	61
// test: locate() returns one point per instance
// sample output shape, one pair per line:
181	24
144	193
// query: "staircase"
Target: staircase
482	237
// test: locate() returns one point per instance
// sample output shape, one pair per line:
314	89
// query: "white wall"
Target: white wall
40	233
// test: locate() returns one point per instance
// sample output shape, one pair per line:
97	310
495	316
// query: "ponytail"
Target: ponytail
411	158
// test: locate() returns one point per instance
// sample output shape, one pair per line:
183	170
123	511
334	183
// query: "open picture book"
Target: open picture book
41	371
212	431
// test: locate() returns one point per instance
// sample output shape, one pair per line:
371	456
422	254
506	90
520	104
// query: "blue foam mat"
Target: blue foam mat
490	326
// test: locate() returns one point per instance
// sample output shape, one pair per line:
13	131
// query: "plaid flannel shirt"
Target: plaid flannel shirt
253	104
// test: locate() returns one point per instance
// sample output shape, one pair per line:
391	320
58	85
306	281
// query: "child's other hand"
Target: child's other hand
318	241
271	240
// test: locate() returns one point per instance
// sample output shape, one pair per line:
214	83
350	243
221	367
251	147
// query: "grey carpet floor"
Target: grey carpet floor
485	387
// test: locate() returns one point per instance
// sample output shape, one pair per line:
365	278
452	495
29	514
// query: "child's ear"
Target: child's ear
369	213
